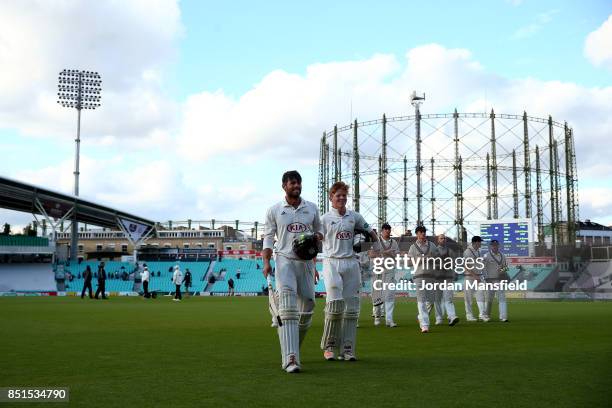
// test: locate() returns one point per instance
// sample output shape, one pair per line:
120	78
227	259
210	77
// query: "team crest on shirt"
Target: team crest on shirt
343	235
296	227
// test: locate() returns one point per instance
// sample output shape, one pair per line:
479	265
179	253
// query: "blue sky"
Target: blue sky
232	45
206	103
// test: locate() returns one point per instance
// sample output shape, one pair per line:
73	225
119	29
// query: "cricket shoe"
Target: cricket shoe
454	321
348	356
292	366
424	329
484	318
438	322
505	320
329	355
274	324
377	321
471	319
391	323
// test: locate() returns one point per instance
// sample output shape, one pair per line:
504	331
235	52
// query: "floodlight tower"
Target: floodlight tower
80	90
416	101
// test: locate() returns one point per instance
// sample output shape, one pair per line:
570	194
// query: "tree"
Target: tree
6	229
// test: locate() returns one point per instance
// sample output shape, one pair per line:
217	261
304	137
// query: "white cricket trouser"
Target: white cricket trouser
480	301
388	276
501	298
295	285
437	302
342	278
424	296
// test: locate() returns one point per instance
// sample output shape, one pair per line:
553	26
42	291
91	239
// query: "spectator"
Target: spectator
230	284
238	274
257	266
101	282
87	283
212	279
158	274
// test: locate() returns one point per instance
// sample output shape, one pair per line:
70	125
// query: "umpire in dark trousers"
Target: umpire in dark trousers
101	282
87	275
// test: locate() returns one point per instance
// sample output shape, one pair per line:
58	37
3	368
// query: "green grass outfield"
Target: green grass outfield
221	352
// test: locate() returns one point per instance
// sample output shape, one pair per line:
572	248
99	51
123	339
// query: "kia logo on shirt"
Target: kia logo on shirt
296	227
344	235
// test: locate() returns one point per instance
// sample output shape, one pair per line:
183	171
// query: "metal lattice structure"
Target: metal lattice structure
451	171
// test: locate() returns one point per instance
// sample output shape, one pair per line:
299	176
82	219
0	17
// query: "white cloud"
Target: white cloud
598	45
227	154
531	29
285	114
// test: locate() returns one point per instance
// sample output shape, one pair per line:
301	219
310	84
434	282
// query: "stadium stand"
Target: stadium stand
27	277
251	278
112	284
19	240
163	282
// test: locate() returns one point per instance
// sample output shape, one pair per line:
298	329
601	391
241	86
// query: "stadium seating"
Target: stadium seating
536	275
251	279
111	267
163	283
20	240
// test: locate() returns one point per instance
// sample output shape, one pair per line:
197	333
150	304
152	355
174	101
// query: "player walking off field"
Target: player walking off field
474	274
443	299
295	277
342	275
496	267
388	248
423	273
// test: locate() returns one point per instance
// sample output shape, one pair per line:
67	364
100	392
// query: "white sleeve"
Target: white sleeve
316	224
269	230
360	223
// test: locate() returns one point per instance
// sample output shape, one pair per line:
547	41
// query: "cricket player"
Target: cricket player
443	299
389	248
496	267
474	274
295	277
342	275
423	273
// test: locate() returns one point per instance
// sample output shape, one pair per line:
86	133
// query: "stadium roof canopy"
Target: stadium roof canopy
18	196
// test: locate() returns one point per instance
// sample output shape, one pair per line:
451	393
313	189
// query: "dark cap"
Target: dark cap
476	238
386	226
494	241
420	228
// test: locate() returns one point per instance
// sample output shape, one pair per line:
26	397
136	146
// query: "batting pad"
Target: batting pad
349	325
334	310
288	332
304	324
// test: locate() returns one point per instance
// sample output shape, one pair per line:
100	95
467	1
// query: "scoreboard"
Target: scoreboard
514	235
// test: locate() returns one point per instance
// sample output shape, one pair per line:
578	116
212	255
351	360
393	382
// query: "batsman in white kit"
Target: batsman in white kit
292	220
496	266
423	273
342	276
387	248
474	274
